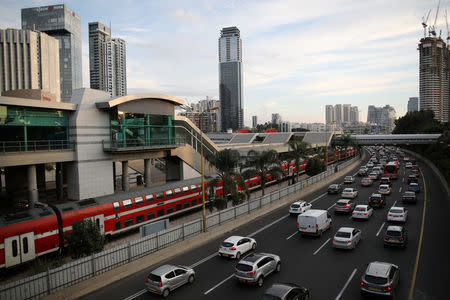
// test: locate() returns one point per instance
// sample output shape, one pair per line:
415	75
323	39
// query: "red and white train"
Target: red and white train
41	230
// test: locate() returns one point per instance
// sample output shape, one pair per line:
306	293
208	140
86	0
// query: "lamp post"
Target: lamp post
203	172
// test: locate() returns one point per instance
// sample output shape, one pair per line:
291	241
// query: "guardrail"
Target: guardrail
38	145
141	144
52	280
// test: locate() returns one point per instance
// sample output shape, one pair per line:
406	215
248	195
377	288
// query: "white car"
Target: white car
349	193
299	207
362	212
369	164
384	189
408	165
349	179
397	214
347	238
378	170
235	246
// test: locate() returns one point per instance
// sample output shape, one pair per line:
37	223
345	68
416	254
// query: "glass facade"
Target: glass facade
30	129
133	130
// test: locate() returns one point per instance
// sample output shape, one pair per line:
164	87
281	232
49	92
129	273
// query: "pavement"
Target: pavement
90	285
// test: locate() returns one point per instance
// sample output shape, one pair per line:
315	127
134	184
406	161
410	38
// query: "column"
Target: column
125	180
40	174
147	179
59	181
114	176
33	195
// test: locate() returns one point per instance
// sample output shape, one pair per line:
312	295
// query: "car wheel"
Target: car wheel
238	255
165	293
254	246
191	279
278	269
260	281
320	232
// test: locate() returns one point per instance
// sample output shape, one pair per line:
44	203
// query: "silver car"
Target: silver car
380	278
257	266
166	278
347	238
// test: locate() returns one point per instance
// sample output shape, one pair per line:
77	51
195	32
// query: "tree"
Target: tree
314	166
85	239
299	150
342	142
263	163
421	121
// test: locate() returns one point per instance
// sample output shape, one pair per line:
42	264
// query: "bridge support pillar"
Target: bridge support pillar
174	169
59	180
147	178
125	177
33	195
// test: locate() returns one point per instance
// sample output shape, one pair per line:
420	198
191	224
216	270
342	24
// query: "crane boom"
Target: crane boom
437	12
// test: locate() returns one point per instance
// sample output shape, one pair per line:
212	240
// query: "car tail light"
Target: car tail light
298	225
317	227
386	237
233	248
363	283
346	206
388	288
220	247
401	239
389	215
403	215
251	273
147	280
160	284
349	241
365	214
334	240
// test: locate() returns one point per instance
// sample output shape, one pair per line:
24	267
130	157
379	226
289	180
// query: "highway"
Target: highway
312	262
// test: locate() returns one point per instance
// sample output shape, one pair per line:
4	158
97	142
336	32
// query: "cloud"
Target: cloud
182	15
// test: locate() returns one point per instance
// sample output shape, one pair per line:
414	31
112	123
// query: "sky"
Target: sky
298	56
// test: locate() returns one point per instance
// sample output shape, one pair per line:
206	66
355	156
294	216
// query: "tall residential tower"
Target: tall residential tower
98	34
115	67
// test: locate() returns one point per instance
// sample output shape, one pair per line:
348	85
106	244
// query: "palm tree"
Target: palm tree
299	150
343	142
263	163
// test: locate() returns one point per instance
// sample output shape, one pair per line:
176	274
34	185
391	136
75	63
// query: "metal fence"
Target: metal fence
45	283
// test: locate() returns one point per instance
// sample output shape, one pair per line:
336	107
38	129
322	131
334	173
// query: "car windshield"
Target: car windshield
396	211
342	234
244	267
227	244
375	279
348	177
393	233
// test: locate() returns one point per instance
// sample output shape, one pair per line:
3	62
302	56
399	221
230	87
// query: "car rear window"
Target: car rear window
295	205
393	233
348	190
410	194
396	211
339	203
360	209
343	234
375	279
227	244
154	277
244	267
374	198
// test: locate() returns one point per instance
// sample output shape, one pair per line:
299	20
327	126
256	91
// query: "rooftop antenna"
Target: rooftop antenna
433	31
424	23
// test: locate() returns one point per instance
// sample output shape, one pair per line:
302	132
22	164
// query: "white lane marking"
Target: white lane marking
321	246
330	207
141	292
379	230
292	235
219	284
317	198
346	284
400	190
351	216
267	226
394	203
403	179
203	260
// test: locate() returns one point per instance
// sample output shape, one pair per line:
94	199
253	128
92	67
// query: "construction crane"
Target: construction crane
446	23
424	23
433	30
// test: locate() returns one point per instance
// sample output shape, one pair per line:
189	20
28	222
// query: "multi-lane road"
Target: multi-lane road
312	262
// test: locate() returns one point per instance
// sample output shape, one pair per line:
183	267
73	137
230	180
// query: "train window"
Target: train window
150	215
138	200
178	207
177	191
127	203
186	204
14	248
160	212
159	196
185	189
193	188
149	198
116	205
140	219
194	202
25	245
169	193
128	222
169	209
118	225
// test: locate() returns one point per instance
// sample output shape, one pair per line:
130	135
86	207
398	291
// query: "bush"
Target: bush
314	166
85	239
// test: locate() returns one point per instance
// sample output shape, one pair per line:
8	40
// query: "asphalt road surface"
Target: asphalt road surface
312	262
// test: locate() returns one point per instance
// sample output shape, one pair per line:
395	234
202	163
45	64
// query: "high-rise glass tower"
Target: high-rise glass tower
230	79
413	104
62	23
98	34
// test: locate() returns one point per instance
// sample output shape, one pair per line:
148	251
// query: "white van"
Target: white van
314	222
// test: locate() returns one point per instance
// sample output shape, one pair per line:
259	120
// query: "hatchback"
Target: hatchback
377	200
362	212
349	179
397	214
362	172
413	187
408	165
255	267
349	193
373	176
299	207
366	181
347	238
344	206
377	169
286	291
235	246
384	189
385	180
380	278
166	278
334	188
409	196
395	236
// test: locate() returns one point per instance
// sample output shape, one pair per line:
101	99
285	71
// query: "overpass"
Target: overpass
396	139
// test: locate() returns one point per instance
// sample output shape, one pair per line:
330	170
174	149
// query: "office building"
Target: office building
346	113
29	60
284	126
329	114
62	23
98	34
203	109
413	104
115	67
354	114
382	116
230	79
434	77
254	121
338	115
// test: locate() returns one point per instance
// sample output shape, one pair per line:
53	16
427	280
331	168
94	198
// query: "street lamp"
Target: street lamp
203	172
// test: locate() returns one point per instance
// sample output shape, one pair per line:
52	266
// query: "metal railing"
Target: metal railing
137	144
52	280
37	145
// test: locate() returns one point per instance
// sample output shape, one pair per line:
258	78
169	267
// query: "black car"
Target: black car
409	196
334	188
413	178
386	180
396	236
286	291
377	200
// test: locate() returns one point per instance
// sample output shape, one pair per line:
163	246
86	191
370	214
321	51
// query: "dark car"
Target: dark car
414	187
377	200
286	291
395	236
380	278
414	167
415	172
385	180
409	196
334	188
412	178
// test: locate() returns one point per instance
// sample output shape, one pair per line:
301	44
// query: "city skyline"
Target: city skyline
280	73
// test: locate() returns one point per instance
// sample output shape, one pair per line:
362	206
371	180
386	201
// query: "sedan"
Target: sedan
395	236
349	193
286	291
373	176
347	238
366	181
397	214
408	165
413	178
377	200
384	189
235	246
362	212
362	172
344	205
334	188
409	196
299	207
349	179
166	278
369	164
413	187
254	268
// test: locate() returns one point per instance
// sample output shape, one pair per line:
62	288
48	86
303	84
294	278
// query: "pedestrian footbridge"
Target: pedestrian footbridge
396	139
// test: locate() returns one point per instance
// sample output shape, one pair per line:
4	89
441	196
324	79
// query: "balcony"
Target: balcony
136	145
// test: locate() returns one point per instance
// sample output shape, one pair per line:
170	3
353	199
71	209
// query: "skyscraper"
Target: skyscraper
329	114
98	34
354	114
434	77
338	114
254	121
115	67
230	79
346	113
413	104
382	116
29	60
276	118
62	23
